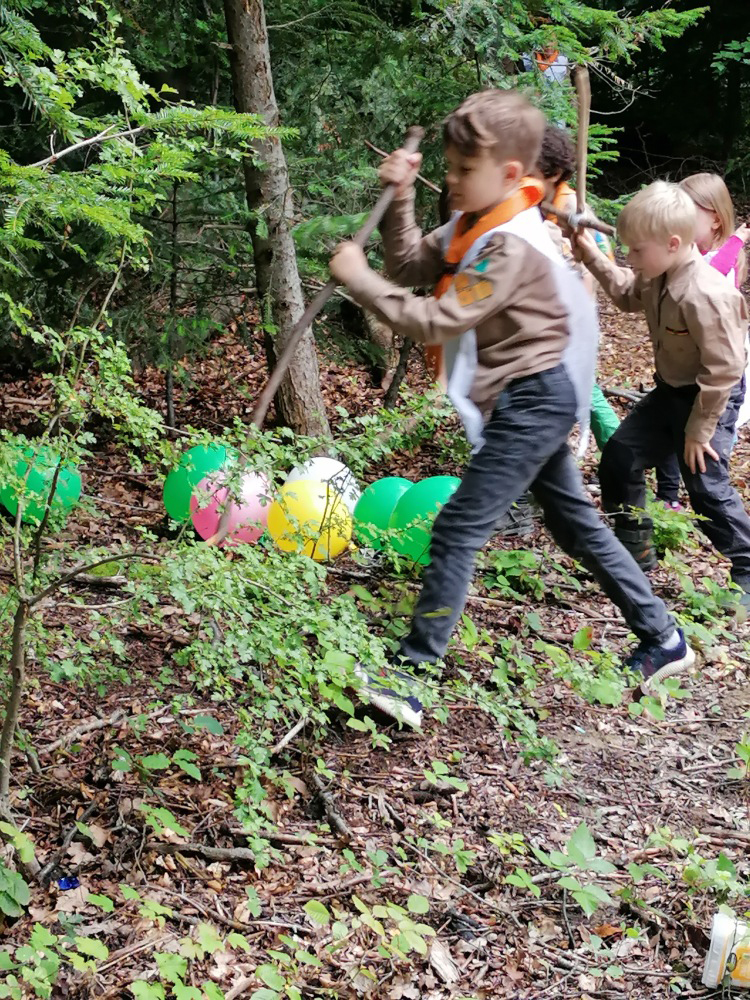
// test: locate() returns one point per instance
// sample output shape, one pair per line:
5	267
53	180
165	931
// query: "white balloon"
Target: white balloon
329	470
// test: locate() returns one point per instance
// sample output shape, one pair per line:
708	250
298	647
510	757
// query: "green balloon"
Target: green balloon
195	464
44	463
374	509
414	514
176	494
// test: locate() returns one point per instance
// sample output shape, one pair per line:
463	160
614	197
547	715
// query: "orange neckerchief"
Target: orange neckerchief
546	58
529	193
562	191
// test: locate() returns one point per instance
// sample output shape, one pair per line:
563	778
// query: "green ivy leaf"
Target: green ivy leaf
6	962
725	864
172	967
269	975
317	912
253	902
582	638
235	940
183	992
210	723
161	818
156	762
581	846
361	727
189	768
92	948
208	939
103	902
142	990
20	840
417	904
306	958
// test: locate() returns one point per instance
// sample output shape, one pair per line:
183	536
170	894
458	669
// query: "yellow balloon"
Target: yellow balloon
310	517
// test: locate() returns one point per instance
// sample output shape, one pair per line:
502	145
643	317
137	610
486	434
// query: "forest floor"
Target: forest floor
649	789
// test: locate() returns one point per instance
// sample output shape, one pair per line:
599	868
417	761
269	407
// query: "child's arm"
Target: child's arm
410	257
717	326
620	283
474	295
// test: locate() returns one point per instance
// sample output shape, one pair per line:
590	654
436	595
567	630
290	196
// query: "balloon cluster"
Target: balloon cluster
314	512
311	513
38	467
402	513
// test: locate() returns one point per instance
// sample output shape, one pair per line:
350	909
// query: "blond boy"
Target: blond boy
519	336
698	326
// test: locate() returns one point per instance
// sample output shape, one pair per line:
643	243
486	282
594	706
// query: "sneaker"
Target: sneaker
673	505
518	522
402	707
640	544
655	663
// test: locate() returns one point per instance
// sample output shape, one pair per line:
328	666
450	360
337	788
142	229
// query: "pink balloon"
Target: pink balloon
247	515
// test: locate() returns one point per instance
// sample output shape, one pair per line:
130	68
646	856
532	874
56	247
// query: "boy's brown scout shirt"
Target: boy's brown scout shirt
697	321
508	295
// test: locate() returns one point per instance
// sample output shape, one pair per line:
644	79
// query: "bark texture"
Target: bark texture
299	400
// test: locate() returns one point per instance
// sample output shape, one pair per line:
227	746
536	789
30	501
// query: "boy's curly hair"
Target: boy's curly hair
558	154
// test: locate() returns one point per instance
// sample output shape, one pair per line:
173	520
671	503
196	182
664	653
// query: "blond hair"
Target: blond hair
709	192
501	121
658	212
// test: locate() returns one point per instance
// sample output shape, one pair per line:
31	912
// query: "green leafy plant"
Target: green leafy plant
439	775
741	770
578	863
514	573
14	892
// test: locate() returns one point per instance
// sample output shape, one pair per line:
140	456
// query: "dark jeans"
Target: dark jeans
525	446
668	479
655	429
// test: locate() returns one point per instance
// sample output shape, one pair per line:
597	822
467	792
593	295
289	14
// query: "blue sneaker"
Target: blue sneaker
655	663
382	691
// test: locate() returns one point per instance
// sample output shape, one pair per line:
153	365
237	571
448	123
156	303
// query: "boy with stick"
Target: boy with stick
519	335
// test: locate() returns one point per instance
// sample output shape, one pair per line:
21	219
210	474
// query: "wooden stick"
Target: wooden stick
420	177
590	222
286	740
583	91
212	853
82	730
574	221
411	144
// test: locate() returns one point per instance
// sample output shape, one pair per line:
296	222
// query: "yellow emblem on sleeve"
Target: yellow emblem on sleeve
469	291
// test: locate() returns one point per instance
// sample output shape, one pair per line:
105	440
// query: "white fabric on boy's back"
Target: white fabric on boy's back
579	357
516	297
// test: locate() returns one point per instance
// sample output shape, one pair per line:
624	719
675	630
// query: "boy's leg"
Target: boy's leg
713	496
642	440
532	418
668	480
579	530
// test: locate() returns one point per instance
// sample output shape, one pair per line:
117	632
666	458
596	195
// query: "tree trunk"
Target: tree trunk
299	401
13	706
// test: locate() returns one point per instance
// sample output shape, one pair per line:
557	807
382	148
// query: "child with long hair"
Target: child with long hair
722	245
